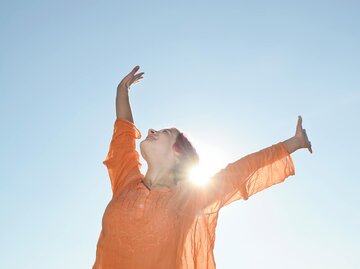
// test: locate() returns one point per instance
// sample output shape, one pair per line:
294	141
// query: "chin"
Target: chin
143	148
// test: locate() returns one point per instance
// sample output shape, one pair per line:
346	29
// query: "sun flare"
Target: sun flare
199	176
211	161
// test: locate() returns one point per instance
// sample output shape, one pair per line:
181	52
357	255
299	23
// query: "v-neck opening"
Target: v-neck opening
162	189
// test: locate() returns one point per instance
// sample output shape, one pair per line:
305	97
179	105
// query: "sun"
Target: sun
199	176
211	161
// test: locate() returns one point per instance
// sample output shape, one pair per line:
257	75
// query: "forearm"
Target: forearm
123	109
292	144
251	174
265	157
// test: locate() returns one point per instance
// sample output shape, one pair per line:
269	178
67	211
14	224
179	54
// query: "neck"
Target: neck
157	178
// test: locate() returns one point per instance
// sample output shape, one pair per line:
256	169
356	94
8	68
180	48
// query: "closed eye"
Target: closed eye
167	131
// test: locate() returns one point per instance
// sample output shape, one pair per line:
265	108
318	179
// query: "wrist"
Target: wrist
297	142
292	144
122	87
122	91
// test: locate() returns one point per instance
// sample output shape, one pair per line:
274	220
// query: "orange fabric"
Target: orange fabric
174	227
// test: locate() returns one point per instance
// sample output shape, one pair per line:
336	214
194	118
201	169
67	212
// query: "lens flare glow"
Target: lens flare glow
211	161
199	176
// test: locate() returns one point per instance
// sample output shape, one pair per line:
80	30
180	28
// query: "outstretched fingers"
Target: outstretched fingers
136	68
137	77
301	134
131	78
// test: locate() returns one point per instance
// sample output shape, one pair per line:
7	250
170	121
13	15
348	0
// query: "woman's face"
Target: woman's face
158	145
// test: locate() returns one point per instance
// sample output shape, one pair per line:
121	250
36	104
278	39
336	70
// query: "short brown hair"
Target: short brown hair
188	157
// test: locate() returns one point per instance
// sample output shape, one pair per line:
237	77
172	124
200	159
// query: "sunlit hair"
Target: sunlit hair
188	157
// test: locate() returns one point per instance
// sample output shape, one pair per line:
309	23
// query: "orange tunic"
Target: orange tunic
174	228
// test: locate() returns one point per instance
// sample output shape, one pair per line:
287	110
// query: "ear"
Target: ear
176	153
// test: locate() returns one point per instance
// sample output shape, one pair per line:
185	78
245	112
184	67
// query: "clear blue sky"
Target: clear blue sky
233	75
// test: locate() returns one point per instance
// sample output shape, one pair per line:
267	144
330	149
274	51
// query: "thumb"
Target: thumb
299	123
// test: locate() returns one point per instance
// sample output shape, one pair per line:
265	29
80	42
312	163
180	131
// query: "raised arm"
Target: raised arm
252	173
122	159
123	109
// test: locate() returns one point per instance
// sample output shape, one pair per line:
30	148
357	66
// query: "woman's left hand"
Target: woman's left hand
301	136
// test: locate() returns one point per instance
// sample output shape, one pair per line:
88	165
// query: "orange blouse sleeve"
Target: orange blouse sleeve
245	177
122	160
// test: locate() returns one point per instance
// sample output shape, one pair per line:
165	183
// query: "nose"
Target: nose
151	131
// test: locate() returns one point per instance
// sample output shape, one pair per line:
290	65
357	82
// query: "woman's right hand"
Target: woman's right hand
130	78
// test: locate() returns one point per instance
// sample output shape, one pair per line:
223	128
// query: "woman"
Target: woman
160	220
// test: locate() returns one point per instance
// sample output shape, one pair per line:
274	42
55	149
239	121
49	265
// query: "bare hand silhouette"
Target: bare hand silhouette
302	136
131	78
